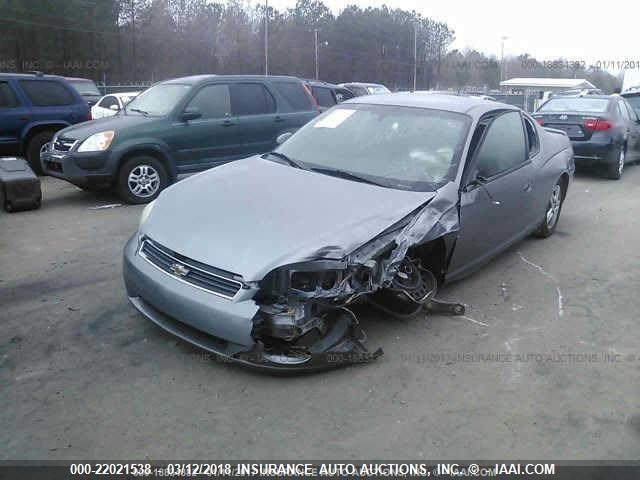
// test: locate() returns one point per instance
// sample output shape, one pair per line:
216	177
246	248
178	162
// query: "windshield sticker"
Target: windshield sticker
335	118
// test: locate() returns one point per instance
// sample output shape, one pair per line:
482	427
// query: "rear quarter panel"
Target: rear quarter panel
554	159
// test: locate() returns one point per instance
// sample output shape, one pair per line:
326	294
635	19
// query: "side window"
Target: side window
503	147
251	99
324	96
47	93
108	101
532	137
622	110
295	95
632	114
213	101
7	97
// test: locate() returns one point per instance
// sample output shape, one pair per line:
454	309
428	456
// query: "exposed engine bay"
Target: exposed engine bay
306	319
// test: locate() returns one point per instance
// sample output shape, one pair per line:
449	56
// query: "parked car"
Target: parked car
33	107
86	88
632	96
323	93
482	96
604	129
111	104
379	199
343	94
178	126
359	89
578	92
326	94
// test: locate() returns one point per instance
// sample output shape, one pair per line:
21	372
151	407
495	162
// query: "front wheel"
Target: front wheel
614	170
141	179
34	149
552	213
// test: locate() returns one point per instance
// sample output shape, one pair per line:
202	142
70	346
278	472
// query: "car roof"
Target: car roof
473	106
589	97
361	84
124	94
319	83
30	76
197	79
78	79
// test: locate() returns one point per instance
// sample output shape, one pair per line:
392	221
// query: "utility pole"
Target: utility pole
266	37
502	58
415	57
315	34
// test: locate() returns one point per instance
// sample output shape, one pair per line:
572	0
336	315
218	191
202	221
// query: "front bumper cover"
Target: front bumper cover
81	169
224	327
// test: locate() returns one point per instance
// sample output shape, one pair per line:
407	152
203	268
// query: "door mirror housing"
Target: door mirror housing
191	113
283	137
115	108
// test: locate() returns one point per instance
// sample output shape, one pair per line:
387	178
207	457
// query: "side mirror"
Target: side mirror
283	137
115	108
191	114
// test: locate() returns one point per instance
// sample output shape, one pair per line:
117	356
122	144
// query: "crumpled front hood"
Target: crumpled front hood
253	215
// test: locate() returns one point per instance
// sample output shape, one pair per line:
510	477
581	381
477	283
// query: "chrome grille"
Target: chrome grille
211	279
63	144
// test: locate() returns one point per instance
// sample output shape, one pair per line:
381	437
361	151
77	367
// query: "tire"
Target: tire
141	179
552	212
33	150
614	170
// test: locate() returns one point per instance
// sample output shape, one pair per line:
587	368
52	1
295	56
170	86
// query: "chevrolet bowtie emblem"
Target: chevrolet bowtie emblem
179	270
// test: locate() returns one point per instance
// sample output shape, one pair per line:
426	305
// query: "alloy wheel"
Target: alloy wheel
621	162
143	181
554	206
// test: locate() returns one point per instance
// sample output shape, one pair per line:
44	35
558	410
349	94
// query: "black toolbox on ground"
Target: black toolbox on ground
19	186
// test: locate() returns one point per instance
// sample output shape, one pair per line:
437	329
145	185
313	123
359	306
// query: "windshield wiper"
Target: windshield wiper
282	156
145	113
347	175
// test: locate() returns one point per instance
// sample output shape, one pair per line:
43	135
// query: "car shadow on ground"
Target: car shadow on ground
72	196
598	172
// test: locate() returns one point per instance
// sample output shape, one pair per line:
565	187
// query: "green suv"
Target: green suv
178	126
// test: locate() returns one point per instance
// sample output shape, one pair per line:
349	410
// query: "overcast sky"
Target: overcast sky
547	29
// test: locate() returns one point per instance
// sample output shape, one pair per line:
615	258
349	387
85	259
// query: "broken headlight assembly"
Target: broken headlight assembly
306	308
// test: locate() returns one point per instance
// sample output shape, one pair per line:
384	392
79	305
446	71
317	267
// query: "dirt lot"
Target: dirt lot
546	364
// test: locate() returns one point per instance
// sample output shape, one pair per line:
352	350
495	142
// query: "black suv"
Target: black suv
326	94
33	107
178	126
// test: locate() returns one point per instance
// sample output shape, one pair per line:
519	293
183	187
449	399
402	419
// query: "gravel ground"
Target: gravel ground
523	375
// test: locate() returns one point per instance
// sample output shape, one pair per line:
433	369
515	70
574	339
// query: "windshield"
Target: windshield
398	147
377	89
85	87
158	100
578	104
125	99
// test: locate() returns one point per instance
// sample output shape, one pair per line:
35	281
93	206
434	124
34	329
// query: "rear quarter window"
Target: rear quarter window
324	96
47	93
295	96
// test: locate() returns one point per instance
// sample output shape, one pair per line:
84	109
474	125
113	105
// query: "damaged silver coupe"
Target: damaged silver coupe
378	200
